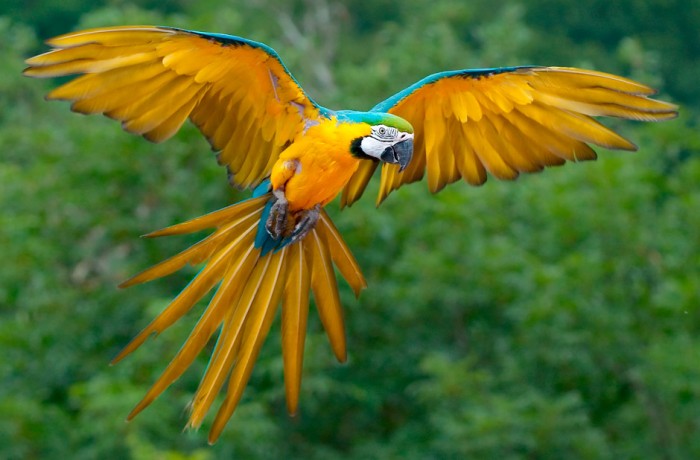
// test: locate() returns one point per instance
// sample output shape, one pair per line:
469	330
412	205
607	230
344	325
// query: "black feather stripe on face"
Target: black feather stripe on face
357	152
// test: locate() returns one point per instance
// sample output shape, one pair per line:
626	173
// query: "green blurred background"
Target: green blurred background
554	317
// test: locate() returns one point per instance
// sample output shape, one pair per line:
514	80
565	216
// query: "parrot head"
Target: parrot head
390	138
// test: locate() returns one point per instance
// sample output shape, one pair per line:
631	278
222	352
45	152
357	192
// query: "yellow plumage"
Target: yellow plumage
250	288
544	112
152	79
294	317
324	163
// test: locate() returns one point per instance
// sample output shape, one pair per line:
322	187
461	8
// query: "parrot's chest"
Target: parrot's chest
322	171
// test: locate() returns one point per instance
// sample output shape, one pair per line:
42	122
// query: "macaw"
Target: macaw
280	245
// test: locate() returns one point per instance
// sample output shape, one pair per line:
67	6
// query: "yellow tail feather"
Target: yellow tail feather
294	317
250	288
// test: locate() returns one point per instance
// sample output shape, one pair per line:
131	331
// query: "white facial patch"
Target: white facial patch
380	138
373	147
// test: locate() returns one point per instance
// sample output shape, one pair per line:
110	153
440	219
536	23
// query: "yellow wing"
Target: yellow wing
505	122
238	92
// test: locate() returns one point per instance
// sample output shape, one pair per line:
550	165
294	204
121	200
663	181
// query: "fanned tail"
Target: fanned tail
250	287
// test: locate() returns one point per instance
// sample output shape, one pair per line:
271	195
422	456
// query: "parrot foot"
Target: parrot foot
281	223
278	222
306	223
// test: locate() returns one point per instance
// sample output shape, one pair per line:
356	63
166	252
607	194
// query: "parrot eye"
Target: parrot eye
384	133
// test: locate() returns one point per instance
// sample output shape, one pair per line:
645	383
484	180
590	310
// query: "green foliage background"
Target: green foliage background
554	317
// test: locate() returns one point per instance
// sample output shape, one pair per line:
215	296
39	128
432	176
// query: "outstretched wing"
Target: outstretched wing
506	121
237	91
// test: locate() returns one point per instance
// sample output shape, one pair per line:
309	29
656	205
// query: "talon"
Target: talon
276	224
279	222
306	223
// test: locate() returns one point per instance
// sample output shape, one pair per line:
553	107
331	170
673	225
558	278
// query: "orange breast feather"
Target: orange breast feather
325	163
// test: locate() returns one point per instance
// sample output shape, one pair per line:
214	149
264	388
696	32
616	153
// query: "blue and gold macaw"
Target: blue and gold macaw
280	245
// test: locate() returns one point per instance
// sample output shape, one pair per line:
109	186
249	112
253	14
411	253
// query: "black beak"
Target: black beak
399	153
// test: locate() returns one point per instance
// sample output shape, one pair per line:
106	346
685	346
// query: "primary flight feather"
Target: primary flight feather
280	245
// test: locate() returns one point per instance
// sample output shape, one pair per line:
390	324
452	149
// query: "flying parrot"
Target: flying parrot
280	245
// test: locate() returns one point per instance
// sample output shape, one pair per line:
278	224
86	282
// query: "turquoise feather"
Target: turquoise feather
387	104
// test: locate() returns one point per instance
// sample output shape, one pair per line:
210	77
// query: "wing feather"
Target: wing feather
170	126
153	78
183	93
479	140
92	84
129	108
358	182
472	169
114	36
508	121
495	128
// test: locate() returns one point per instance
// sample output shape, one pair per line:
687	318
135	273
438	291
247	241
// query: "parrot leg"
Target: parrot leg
282	224
308	221
277	222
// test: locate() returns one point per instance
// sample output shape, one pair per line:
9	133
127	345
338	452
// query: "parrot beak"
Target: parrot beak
399	153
